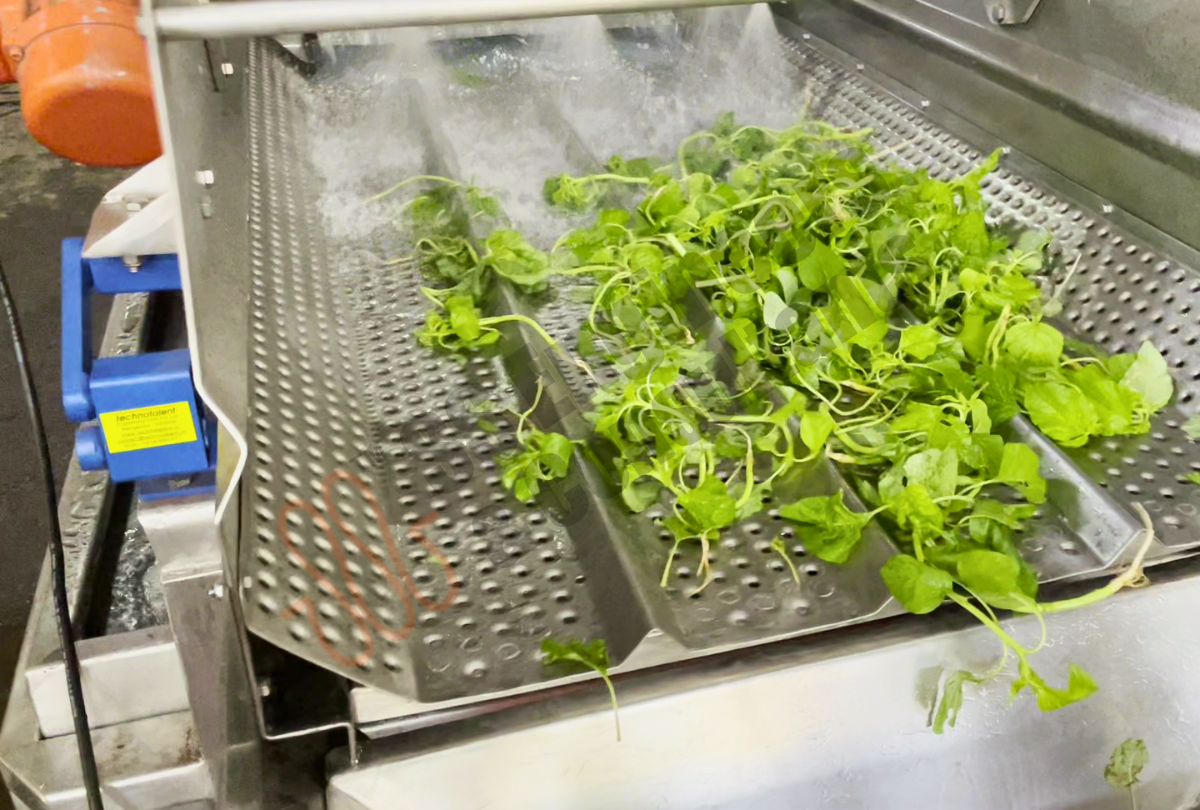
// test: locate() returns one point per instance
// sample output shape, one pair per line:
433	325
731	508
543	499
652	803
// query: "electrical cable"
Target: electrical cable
62	610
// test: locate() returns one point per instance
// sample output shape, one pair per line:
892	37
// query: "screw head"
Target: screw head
1106	208
227	68
998	13
217	591
924	104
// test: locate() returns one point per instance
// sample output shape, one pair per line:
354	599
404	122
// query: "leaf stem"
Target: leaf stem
1133	577
433	178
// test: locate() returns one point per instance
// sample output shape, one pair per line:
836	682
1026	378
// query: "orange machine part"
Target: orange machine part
84	76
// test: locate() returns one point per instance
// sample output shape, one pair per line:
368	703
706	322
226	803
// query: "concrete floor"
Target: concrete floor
45	199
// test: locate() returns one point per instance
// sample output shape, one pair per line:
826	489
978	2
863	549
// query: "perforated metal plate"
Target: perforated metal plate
339	383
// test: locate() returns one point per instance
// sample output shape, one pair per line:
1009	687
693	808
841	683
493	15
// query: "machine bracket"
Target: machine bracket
1011	12
149	421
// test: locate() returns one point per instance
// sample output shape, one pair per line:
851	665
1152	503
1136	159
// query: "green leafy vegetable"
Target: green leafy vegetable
1038	344
919	587
1019	469
1192	428
1079	686
861	314
1148	376
591	655
1125	766
830	530
951	700
542	457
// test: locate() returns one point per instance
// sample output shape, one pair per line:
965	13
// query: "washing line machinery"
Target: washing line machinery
260	422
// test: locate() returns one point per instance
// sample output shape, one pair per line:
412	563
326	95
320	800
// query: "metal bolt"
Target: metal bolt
227	68
1006	150
206	178
133	207
1106	208
217	591
860	66
247	583
807	37
264	688
924	104
134	263
998	13
206	207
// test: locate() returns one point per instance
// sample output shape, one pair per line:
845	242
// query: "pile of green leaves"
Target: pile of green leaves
865	313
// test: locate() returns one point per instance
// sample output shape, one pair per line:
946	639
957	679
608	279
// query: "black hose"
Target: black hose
58	576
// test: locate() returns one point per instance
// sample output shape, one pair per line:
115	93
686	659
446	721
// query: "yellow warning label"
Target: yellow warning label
142	428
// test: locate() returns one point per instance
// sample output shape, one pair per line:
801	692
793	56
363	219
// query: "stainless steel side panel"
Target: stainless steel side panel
802	729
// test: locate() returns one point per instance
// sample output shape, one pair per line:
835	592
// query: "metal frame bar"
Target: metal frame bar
270	17
127	676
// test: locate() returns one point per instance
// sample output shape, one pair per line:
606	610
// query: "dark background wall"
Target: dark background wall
43	199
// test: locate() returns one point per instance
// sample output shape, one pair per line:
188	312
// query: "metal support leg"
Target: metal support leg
188	549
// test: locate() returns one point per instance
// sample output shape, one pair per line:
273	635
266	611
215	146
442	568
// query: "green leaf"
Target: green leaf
975	333
787	283
999	391
935	470
1192	428
1126	764
1035	344
591	655
914	509
743	338
709	505
777	314
815	428
1080	685
951	701
1118	364
1019	469
919	341
1192	478
1062	412
857	311
510	256
555	455
464	317
820	265
1148	376
993	577
834	531
921	588
1115	405
981	420
987	512
543	457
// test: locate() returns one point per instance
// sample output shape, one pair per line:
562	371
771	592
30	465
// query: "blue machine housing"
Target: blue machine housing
146	400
